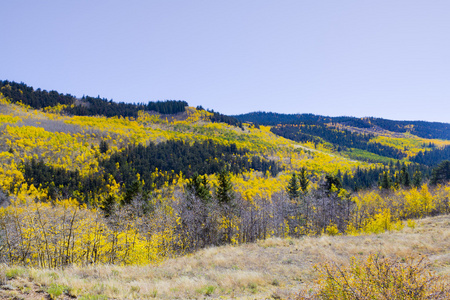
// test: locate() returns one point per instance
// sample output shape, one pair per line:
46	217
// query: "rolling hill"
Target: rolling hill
92	182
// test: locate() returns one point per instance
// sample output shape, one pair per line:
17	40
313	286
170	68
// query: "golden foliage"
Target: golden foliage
46	235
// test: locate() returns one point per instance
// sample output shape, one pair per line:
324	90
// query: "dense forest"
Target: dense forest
62	183
433	157
432	130
270	118
173	157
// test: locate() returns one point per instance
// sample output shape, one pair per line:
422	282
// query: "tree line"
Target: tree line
20	92
97	106
87	106
428	130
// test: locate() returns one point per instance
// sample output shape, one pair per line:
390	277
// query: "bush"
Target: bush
380	278
207	290
14	272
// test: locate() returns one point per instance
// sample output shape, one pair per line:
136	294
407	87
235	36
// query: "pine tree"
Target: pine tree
441	173
134	190
108	206
417	179
293	188
332	182
224	191
397	180
406	181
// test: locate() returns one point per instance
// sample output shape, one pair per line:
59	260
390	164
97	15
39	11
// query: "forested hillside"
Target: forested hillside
86	106
428	130
91	181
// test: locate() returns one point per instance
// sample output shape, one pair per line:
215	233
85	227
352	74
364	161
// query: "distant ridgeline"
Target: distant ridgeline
313	128
88	106
430	130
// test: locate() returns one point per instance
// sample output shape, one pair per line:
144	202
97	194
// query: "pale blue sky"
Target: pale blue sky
362	58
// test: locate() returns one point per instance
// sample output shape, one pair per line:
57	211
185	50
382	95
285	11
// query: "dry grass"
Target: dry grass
274	268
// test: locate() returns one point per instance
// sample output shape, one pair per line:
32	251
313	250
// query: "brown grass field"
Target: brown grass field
271	269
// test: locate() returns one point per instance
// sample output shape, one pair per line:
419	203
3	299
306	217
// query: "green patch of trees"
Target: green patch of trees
62	183
96	106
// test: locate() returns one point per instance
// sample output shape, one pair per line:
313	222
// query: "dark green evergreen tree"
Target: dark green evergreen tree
224	191
108	206
134	190
293	188
103	147
397	180
441	174
406	180
417	179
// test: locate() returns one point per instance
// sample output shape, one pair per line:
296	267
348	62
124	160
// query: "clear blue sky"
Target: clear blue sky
379	58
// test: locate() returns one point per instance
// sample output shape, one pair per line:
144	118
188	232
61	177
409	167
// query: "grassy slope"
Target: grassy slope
271	268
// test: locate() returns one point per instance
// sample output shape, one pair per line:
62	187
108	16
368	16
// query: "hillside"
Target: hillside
369	139
91	184
274	268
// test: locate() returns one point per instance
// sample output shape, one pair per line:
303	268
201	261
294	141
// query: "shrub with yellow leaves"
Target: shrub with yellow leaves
379	278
